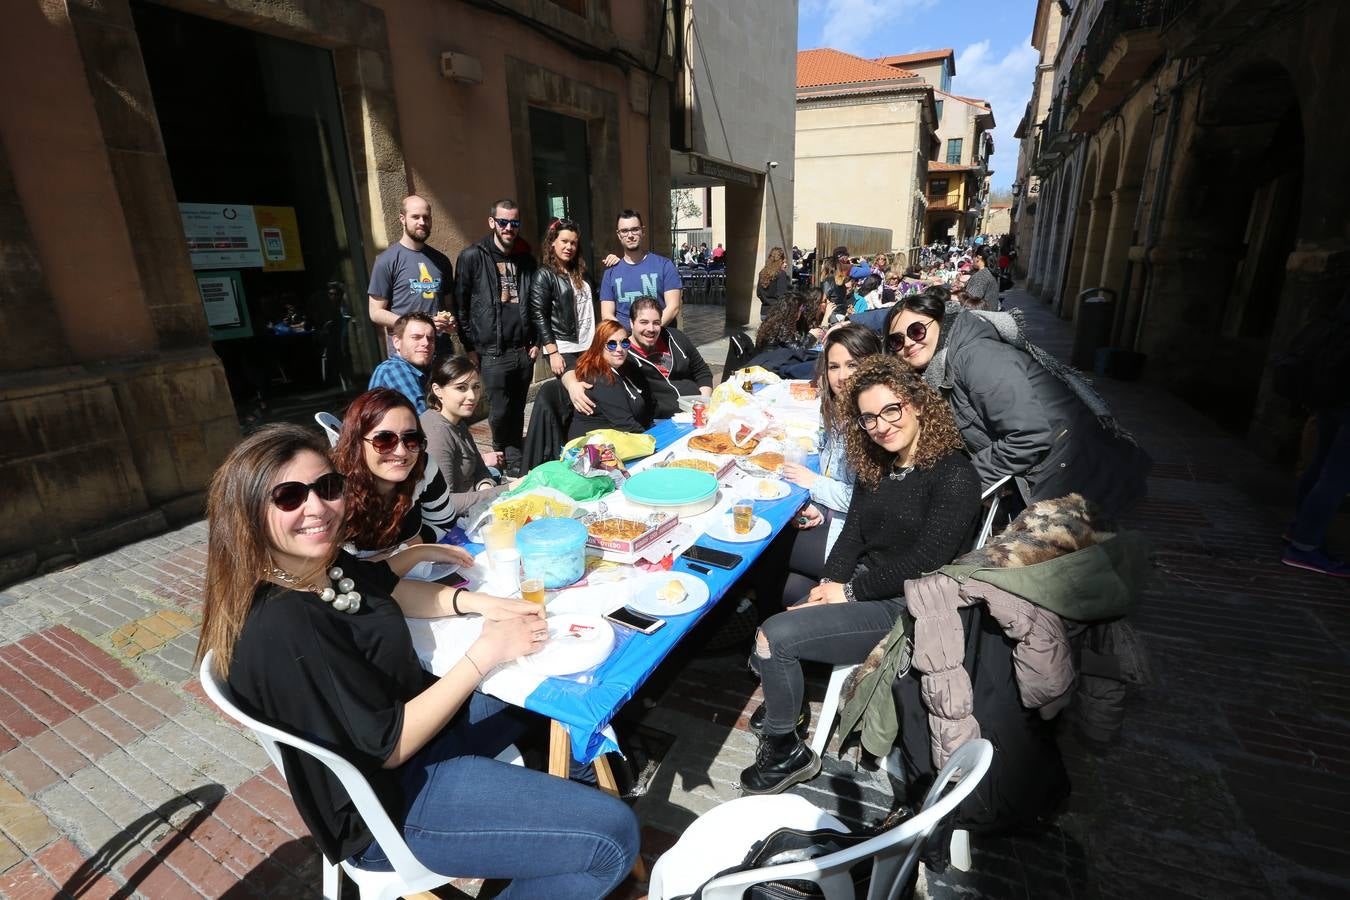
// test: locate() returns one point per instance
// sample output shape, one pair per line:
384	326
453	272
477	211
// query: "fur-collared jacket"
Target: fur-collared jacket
1058	584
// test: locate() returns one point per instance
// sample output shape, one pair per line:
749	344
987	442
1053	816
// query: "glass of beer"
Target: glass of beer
743	516
532	590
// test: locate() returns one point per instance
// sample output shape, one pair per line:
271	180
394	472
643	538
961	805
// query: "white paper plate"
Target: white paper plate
645	599
780	489
722	529
566	654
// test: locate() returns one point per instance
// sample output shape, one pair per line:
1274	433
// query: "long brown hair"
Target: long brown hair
237	546
592	363
938	434
772	266
577	270
372	521
446	370
861	342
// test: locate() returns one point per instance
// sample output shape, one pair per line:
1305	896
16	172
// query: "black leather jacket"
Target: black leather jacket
553	307
478	297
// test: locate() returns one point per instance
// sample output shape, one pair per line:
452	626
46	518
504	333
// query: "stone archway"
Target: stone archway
1077	248
1129	186
1219	270
1101	212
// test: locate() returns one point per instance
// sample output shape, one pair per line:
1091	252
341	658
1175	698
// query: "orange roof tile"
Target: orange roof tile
818	68
921	56
972	101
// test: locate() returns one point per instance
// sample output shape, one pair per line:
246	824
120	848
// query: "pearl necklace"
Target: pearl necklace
342	595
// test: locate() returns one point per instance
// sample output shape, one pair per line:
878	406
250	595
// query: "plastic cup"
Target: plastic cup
499	536
794	453
743	516
532	590
505	570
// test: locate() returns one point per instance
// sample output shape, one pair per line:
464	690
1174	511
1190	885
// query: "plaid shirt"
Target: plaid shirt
401	375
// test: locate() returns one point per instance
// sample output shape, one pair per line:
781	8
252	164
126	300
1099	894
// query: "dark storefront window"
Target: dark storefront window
562	174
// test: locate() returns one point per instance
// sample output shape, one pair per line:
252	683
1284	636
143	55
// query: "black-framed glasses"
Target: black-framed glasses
615	345
891	413
506	223
386	441
915	331
291	495
636	229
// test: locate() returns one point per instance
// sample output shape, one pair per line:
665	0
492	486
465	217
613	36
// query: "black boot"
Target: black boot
781	761
803	720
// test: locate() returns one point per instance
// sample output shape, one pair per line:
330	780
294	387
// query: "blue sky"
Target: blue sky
994	57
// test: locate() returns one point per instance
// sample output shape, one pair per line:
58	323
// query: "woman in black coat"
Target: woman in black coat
1021	412
617	389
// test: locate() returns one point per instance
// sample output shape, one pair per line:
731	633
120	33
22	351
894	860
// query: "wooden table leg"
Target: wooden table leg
559	753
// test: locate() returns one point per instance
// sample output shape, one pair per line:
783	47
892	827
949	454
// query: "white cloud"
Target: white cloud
1006	83
854	25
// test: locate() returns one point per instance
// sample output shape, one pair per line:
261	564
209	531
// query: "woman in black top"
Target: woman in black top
311	653
914	501
773	283
617	389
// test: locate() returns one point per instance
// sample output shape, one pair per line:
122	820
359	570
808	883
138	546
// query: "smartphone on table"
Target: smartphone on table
637	621
719	559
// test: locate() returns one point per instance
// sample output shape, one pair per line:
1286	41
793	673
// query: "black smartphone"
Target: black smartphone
631	618
719	558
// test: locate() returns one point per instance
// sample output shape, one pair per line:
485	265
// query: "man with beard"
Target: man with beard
407	369
411	277
491	291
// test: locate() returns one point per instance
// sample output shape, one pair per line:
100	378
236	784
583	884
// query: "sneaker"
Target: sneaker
1315	561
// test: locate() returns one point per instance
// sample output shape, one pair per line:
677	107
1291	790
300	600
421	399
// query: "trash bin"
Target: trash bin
1092	326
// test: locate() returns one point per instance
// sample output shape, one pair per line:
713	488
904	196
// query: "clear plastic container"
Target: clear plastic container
553	550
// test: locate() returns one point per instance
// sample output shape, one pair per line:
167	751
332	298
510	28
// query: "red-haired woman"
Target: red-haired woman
395	498
617	388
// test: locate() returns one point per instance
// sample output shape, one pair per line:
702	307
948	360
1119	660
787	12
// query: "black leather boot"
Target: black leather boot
803	720
781	761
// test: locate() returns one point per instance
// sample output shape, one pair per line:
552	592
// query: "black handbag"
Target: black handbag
789	845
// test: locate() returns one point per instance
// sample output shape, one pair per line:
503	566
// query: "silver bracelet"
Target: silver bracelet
848	592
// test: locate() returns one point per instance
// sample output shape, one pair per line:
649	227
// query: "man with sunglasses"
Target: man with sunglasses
407	369
493	282
410	276
639	273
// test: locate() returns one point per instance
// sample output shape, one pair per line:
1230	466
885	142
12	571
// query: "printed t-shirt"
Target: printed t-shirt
625	282
412	281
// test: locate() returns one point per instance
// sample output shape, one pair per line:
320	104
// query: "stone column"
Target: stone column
745	241
1118	230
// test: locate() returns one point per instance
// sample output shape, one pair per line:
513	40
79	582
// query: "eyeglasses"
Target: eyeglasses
507	223
891	413
386	441
615	345
291	495
916	332
635	230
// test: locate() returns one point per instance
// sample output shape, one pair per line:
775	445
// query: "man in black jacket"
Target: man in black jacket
492	283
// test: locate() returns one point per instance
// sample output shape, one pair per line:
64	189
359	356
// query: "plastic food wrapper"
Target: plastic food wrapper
595	460
627	446
567	480
536	503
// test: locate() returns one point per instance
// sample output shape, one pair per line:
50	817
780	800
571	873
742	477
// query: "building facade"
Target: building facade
188	173
1177	165
864	129
1029	199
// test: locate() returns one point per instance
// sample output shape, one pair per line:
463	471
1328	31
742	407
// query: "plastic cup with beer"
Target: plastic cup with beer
743	516
532	590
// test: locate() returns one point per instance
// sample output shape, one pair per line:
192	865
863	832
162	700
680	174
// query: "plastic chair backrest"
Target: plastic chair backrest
412	872
331	425
889	872
987	526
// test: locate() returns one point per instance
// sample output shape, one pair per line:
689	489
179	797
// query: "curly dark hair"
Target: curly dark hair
372	522
549	260
938	434
787	323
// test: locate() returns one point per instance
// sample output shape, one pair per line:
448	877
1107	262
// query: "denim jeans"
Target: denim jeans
470	816
835	633
1326	481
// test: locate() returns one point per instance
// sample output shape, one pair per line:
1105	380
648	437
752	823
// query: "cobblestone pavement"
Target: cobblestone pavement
117	777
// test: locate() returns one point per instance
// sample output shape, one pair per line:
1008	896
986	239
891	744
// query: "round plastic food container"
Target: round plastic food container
685	492
553	550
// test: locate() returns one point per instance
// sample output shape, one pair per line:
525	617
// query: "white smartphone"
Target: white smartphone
639	622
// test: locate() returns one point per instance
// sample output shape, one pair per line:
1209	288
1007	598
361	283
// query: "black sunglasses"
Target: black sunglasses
506	223
916	332
615	345
291	495
386	441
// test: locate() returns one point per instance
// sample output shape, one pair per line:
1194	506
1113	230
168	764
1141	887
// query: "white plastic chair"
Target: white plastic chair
409	875
331	425
894	853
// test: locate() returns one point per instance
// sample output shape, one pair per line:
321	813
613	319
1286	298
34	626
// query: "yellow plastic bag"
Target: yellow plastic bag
736	391
628	446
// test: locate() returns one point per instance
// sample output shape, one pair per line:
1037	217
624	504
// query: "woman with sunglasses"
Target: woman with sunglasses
1022	413
617	391
914	501
395	498
315	641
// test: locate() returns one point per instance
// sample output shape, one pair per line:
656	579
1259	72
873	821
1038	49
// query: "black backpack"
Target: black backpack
740	349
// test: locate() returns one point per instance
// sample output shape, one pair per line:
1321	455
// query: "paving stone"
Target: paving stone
27	882
22	821
57	752
26	771
79	877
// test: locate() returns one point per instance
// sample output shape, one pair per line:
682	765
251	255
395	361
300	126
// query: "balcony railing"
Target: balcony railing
1114	20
